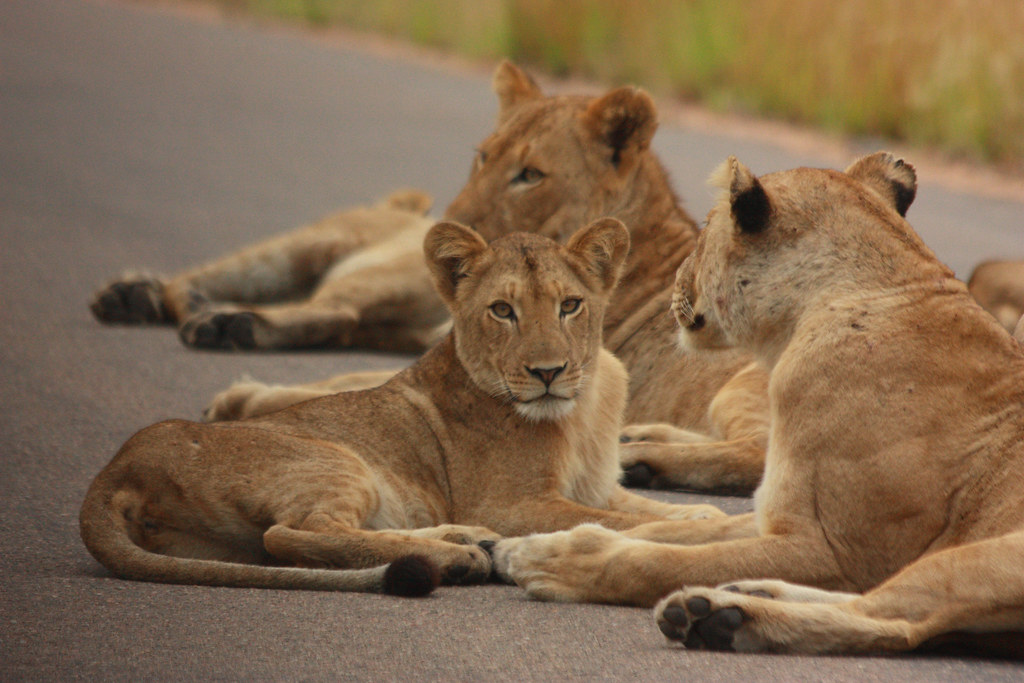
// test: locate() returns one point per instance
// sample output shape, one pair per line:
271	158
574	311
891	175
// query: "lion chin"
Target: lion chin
546	408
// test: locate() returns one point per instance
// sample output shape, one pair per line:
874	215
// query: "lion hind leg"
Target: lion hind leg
731	460
968	596
273	326
341	546
719	466
715	619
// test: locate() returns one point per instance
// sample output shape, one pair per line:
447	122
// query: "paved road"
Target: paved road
132	137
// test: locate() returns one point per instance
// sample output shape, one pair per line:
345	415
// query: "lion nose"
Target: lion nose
546	375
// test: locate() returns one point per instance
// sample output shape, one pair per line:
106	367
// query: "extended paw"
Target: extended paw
638	476
131	300
694	618
559	566
220	330
233	402
472	564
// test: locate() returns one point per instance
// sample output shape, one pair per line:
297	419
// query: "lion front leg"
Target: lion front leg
592	564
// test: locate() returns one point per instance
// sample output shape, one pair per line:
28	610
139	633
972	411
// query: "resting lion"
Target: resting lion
999	287
509	425
355	278
890	516
554	163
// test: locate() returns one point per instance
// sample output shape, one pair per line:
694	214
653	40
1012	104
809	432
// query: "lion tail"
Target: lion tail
105	531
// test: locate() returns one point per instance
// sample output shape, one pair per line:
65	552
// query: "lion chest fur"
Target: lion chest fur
443	451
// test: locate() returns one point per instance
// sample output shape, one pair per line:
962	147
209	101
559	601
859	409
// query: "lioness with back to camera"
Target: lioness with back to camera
508	426
890	516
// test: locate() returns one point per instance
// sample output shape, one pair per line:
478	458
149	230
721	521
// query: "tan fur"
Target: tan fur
508	426
895	468
554	163
355	278
999	287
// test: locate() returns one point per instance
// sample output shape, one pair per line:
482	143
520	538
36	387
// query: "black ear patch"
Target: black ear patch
751	208
903	192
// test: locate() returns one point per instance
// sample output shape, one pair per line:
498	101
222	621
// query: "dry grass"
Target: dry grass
942	73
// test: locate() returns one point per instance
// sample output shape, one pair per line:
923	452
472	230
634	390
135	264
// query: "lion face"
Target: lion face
526	311
778	245
554	163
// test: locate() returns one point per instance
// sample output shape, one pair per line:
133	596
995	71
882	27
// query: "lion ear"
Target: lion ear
625	120
602	246
450	249
513	86
751	208
889	176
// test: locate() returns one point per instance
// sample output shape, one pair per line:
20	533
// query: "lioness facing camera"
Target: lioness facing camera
890	515
508	426
554	163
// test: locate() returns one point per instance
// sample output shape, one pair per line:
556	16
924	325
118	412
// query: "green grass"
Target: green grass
941	73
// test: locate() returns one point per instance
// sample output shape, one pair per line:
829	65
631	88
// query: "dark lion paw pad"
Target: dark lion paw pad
219	331
717	629
131	302
674	622
698	607
638	476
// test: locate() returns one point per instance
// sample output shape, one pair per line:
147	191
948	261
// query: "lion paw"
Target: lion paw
234	402
559	566
705	619
134	299
220	330
467	564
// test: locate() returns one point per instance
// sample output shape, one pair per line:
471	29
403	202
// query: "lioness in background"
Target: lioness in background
557	162
999	287
891	511
509	425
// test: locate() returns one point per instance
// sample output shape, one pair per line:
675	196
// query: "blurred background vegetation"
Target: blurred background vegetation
939	73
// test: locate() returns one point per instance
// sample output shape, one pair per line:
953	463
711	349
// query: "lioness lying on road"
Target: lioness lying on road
508	426
355	278
896	461
554	163
999	288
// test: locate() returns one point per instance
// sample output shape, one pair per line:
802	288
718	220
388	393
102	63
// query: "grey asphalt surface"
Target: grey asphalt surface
135	137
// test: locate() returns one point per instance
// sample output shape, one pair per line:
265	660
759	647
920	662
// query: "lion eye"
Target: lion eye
570	306
528	175
503	311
